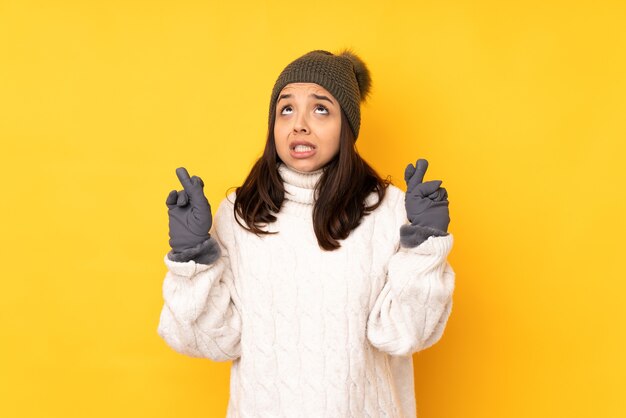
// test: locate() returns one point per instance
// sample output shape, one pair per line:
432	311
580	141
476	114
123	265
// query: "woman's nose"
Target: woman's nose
300	124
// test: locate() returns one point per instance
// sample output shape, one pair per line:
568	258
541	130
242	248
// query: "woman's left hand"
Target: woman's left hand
426	203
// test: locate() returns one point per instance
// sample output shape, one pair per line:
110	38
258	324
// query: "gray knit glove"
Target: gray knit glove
426	206
190	220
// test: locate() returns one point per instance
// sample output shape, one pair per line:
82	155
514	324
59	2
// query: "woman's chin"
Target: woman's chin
304	166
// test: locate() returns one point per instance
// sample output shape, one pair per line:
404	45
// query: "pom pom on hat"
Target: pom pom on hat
361	71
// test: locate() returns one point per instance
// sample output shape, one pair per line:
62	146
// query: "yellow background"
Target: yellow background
519	107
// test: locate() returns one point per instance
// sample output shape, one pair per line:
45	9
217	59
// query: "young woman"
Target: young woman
317	278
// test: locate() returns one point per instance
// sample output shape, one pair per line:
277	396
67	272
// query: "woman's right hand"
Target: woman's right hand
189	213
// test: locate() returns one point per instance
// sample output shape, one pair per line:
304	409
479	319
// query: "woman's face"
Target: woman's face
306	113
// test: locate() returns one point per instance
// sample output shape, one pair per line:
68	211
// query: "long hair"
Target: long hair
341	191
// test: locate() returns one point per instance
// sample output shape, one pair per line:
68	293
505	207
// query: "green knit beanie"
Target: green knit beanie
344	75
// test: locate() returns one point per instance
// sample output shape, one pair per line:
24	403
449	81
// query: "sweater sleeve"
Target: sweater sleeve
412	309
201	314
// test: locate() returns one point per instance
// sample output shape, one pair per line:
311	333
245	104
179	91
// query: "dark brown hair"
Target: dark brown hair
341	191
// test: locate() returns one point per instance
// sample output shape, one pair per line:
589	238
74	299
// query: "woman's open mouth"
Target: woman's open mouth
302	151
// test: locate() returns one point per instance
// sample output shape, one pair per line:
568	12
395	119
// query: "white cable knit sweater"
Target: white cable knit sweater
312	333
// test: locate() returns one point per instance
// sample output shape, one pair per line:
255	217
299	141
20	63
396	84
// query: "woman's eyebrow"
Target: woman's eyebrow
287	96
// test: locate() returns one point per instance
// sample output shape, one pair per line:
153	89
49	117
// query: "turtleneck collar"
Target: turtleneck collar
299	185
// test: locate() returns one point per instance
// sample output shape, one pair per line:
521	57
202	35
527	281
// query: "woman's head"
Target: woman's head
316	100
310	98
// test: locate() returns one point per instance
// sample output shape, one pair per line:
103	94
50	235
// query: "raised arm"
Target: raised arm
411	311
201	311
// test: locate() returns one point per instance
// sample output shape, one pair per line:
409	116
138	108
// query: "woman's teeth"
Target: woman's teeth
302	148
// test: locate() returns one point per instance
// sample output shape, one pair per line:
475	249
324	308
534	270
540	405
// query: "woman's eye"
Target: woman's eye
318	107
323	108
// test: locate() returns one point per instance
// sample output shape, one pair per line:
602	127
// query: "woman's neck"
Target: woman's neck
299	185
